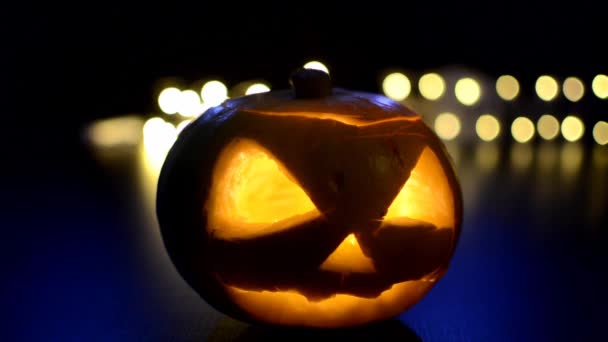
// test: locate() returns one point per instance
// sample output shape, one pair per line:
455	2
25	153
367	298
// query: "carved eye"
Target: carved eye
253	194
425	196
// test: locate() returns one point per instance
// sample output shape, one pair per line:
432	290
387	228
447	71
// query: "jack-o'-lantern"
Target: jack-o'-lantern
313	207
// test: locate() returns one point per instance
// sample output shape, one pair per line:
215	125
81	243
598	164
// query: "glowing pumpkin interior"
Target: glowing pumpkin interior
253	194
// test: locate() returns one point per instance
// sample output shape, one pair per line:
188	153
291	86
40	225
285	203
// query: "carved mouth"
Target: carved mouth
396	254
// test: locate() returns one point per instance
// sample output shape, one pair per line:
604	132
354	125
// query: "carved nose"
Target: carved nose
348	258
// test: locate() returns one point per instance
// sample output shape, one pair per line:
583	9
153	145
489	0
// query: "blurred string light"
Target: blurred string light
546	88
548	127
522	129
572	128
431	86
487	155
187	102
257	88
600	157
447	126
573	89
397	86
521	156
467	91
599	85
214	93
600	132
121	131
507	87
487	127
571	158
180	127
159	136
547	157
190	104
316	65
169	100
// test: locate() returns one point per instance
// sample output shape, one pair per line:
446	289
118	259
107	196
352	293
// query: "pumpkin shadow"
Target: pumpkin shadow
389	330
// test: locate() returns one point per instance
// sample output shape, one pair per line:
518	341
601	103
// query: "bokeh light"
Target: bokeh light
600	157
447	126
572	128
214	93
180	127
548	155
548	127
600	132
521	157
487	127
190	104
317	66
169	100
571	158
431	86
397	86
507	87
546	88
573	89
159	136
487	156
522	129
120	131
257	88
600	86
467	91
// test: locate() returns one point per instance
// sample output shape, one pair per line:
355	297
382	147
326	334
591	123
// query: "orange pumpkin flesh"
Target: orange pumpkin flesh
323	212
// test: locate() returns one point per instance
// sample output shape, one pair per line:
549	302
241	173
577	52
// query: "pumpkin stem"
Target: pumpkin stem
310	83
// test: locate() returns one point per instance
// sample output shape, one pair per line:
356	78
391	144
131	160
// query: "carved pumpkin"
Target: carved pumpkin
315	207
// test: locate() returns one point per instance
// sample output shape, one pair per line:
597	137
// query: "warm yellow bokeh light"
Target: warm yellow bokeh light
214	93
190	104
548	127
600	86
447	126
507	87
572	128
548	155
316	65
600	132
169	100
396	86
546	88
431	86
467	91
159	136
253	194
521	156
120	131
487	127
257	88
600	157
487	155
573	89
522	129
180	127
571	158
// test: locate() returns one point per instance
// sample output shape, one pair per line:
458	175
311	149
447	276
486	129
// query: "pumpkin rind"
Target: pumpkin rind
352	153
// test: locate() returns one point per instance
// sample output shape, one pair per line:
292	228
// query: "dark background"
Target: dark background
526	269
107	57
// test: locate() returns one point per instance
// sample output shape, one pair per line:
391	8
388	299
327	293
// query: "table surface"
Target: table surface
88	262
